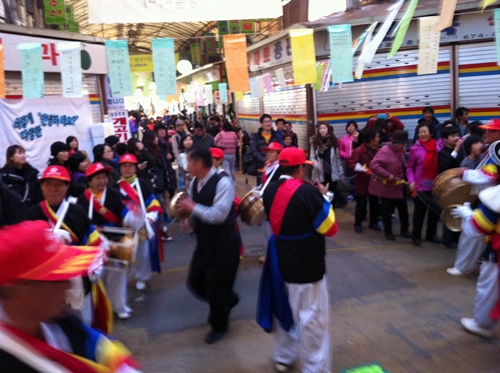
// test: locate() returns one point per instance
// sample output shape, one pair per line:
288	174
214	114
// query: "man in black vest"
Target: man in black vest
216	258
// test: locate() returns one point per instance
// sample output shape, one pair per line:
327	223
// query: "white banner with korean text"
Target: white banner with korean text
35	124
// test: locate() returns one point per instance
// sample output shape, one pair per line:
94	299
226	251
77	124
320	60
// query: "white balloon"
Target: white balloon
184	67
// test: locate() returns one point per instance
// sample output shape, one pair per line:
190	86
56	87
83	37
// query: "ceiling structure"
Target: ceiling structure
139	35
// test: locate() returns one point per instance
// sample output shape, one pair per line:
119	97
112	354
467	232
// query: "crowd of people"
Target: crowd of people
129	186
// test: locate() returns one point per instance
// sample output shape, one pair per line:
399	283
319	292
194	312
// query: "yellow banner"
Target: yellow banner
141	63
239	95
2	73
488	3
447	13
303	56
235	54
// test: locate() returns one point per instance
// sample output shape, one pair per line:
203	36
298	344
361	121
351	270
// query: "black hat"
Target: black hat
58	147
400	137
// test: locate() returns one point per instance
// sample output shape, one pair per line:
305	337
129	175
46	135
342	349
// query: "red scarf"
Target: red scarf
431	169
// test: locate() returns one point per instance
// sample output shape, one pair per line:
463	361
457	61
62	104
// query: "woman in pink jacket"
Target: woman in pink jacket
422	170
228	141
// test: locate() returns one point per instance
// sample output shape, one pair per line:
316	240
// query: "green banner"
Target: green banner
234	27
135	78
196	54
403	28
145	90
223	28
54	11
211	45
247	26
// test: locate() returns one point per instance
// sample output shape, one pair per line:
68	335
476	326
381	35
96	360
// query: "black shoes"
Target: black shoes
433	239
214	336
358	229
375	227
405	234
452	246
390	236
416	241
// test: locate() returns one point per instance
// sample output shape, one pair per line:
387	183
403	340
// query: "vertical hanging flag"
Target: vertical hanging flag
200	99
146	91
235	54
497	33
195	54
247	26
211	46
222	29
254	89
234	27
260	86
119	68
164	66
32	69
223	93
341	53
209	96
238	96
487	3
303	56
2	72
360	67
447	13
280	76
71	69
268	83
428	49
403	28
319	73
134	80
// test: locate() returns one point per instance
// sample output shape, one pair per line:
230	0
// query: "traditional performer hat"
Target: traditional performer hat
31	251
128	158
217	153
493	125
293	157
274	146
96	168
56	172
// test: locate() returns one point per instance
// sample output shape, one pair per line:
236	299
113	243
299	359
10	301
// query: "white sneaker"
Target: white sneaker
281	367
123	315
472	326
454	272
140	285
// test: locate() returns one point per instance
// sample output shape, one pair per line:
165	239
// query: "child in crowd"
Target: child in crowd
288	140
473	146
288	129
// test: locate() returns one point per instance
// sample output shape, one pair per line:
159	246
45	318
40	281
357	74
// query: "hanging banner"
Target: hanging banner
320	70
211	46
325	85
234	27
146	91
368	39
119	68
119	119
36	124
134	78
71	69
164	66
223	93
238	96
303	56
428	49
32	69
403	28
260	86
209	96
341	53
54	12
254	89
133	11
447	13
2	72
247	26
235	55
195	54
268	83
141	63
488	3
497	32
280	76
223	29
200	100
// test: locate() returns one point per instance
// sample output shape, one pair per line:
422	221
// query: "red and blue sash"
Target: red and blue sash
52	216
103	211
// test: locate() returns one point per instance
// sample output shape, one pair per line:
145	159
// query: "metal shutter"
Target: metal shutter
479	81
53	87
389	86
249	113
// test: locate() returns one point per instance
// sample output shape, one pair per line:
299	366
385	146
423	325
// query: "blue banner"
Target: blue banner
164	66
119	68
223	93
32	69
341	53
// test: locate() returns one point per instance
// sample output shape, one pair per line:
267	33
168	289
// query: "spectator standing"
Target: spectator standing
132	124
72	143
288	140
180	134
327	164
359	162
423	167
182	161
214	126
104	154
59	154
201	139
280	129
145	160
228	141
21	177
346	147
393	123
11	207
78	164
388	172
288	129
473	146
258	143
462	114
431	121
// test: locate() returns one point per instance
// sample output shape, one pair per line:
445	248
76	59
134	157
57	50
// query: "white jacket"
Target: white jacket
337	169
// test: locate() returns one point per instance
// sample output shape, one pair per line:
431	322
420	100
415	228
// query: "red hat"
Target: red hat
293	157
96	168
56	172
48	259
274	146
217	153
493	125
128	158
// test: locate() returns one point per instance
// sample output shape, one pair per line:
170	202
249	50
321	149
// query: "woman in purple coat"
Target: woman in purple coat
422	170
388	172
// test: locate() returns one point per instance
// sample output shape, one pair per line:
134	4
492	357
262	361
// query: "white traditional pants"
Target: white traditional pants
487	294
142	268
114	278
309	338
468	253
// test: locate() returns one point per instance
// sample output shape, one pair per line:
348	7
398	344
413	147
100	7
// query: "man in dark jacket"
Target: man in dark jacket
429	118
202	139
259	141
11	207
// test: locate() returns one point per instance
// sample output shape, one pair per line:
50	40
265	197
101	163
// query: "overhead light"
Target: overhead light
184	67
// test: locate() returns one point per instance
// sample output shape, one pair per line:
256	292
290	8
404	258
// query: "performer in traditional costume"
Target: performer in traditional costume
293	284
106	207
483	222
136	190
215	261
72	225
37	332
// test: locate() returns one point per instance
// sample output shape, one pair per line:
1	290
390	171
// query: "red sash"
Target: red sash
52	216
70	362
278	208
103	211
130	192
